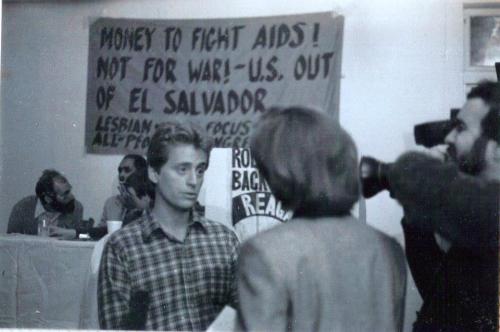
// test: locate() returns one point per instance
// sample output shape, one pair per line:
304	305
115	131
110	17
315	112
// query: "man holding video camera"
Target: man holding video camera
451	215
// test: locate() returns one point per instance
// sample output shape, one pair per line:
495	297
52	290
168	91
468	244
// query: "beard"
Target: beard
473	162
63	208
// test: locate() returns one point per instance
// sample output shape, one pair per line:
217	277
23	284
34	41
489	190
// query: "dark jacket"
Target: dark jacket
459	287
22	218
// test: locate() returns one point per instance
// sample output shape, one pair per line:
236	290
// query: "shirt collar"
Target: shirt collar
39	208
150	225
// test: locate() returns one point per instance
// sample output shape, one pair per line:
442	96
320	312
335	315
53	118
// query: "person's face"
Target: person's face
62	191
462	139
180	179
125	168
61	200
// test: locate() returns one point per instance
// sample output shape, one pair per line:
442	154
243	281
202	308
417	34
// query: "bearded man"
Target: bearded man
54	201
452	218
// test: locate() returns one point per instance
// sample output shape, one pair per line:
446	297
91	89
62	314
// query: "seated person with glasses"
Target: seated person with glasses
54	201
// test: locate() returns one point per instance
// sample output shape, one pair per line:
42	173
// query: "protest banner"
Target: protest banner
220	73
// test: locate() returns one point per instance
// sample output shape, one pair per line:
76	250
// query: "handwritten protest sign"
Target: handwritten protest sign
254	208
220	73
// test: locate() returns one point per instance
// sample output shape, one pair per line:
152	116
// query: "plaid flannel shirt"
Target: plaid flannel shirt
188	282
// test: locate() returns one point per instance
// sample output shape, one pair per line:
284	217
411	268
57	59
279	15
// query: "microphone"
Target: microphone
138	309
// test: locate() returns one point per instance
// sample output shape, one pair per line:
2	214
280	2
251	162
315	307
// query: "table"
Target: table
49	283
42	281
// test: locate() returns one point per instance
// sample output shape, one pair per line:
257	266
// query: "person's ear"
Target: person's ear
153	175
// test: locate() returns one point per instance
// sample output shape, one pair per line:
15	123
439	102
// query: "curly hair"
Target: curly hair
489	92
45	184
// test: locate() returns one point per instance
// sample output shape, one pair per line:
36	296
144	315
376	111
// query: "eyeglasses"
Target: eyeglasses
65	194
124	169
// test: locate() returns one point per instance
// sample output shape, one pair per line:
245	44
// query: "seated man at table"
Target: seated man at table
172	269
53	201
121	206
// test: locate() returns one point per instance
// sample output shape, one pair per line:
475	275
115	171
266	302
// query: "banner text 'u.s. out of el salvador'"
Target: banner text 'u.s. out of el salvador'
220	73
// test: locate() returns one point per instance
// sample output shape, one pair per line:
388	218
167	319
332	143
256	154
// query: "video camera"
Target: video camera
373	173
430	134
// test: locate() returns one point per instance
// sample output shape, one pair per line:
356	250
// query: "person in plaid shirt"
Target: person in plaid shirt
181	262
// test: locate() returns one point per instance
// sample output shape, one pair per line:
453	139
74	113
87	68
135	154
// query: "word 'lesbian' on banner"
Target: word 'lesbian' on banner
220	73
254	208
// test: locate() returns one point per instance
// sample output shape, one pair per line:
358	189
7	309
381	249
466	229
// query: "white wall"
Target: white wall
401	65
1	138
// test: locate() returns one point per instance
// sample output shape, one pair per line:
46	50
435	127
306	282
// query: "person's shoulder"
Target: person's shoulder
378	234
378	241
276	238
278	248
113	200
31	199
22	208
78	204
216	227
371	235
282	230
324	229
128	235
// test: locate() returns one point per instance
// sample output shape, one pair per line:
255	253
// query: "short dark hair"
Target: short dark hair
308	160
45	184
140	163
168	134
489	92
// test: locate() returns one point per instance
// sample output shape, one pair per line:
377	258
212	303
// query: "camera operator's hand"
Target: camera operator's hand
446	201
438	152
442	243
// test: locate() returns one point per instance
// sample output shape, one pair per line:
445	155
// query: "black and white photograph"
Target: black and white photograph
273	165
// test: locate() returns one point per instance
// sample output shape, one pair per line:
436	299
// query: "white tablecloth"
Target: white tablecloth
42	281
